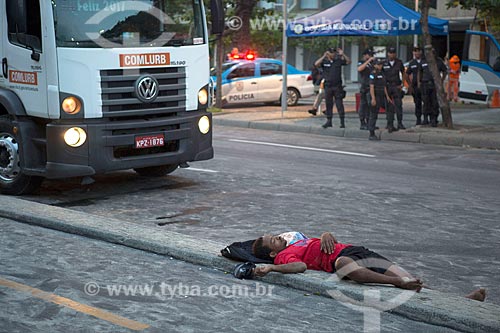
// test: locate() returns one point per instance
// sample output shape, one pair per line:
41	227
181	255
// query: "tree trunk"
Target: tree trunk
220	60
241	37
431	59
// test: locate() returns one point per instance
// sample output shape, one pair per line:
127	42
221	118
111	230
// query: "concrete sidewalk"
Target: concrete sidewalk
428	306
475	126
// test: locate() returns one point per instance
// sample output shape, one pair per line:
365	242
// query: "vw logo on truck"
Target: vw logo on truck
147	89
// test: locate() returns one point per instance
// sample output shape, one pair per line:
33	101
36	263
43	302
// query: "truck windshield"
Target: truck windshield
137	23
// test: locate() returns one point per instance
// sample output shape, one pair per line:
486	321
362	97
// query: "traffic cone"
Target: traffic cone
495	99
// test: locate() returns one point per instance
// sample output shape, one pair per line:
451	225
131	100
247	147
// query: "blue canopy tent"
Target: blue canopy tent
364	18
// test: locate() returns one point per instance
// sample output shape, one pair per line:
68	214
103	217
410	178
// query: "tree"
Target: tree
431	58
488	10
243	11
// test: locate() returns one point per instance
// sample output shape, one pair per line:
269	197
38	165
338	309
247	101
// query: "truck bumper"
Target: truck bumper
110	146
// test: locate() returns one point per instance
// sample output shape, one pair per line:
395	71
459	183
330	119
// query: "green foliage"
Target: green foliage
489	10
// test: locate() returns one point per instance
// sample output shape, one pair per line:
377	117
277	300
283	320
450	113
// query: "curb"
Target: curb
473	140
429	306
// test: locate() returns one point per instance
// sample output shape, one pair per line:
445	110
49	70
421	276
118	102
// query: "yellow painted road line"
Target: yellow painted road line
66	302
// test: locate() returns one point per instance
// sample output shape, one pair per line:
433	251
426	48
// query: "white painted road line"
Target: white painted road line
201	170
303	148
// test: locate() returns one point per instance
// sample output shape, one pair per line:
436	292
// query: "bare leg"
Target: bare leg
395	270
364	275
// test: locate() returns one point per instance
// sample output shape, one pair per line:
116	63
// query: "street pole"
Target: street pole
415	37
284	94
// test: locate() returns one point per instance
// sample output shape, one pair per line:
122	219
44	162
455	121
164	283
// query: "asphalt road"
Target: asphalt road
55	282
432	209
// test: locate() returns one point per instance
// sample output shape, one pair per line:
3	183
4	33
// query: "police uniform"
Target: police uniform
392	75
415	69
365	98
379	83
332	74
429	93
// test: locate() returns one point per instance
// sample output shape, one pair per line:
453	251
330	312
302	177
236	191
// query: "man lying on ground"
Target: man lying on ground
356	263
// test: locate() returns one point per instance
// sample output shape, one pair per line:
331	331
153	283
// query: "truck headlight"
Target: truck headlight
203	96
204	125
75	137
71	105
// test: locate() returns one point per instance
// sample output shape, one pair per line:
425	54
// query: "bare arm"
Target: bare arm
320	60
328	242
387	96
372	94
291	268
362	67
403	74
342	55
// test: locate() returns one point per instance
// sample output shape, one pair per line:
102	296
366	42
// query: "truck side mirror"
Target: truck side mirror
217	15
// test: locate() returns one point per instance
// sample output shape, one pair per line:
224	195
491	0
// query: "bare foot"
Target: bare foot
477	295
410	284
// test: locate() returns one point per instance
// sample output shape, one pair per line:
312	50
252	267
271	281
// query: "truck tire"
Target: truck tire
12	179
156	171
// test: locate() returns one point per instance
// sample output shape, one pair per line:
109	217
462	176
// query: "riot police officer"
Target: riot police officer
379	96
331	62
365	68
412	77
394	70
429	93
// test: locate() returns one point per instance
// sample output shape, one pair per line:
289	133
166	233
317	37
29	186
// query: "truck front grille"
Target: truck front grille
118	92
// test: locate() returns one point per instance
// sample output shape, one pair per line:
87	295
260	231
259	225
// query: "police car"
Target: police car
260	80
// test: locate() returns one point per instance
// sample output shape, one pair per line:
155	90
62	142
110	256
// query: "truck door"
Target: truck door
23	61
480	76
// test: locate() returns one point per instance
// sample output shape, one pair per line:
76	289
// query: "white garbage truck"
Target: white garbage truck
92	86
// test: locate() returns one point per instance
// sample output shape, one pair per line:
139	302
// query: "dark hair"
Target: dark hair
260	251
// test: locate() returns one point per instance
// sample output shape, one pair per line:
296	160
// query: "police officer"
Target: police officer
412	77
379	96
429	93
365	68
331	62
394	70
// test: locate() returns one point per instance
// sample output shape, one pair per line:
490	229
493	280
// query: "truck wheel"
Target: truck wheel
156	171
12	179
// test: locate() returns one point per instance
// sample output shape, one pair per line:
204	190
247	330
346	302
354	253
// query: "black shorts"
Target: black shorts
365	258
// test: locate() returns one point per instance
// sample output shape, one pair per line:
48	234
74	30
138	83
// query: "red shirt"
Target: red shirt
309	252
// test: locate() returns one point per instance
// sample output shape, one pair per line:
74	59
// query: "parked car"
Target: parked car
260	80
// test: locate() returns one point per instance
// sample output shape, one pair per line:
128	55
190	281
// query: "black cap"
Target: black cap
331	50
391	50
368	52
417	48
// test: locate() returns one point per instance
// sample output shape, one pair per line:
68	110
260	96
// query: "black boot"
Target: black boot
433	121
426	120
313	112
391	128
328	123
342	123
363	126
372	136
419	121
401	126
